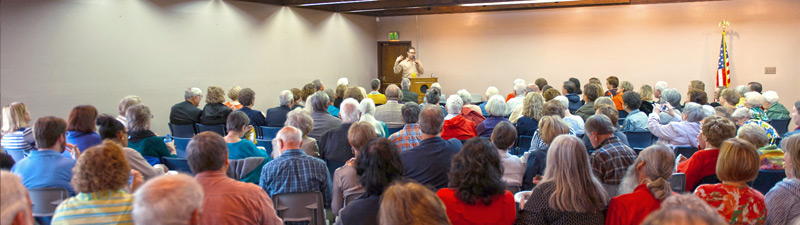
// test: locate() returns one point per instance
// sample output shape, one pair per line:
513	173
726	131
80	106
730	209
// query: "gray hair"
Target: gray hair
432	96
319	102
465	96
661	86
771	97
236	121
301	120
167	200
520	88
519	81
599	123
410	112
742	89
491	91
454	104
343	81
496	106
290	135
393	92
659	162
671	96
431	120
754	134
13	198
709	111
563	100
247	96
754	99
405	84
317	84
742	113
138	117
192	92
348	111
367	106
694	112
127	102
285	97
375	84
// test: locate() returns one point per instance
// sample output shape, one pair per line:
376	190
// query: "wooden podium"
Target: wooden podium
421	85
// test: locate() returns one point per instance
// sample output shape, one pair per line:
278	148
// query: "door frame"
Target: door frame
379	59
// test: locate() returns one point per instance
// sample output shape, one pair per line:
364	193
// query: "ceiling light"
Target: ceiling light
365	10
513	2
338	2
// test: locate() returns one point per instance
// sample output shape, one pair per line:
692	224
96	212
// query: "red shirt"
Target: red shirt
502	210
632	208
739	205
458	127
703	163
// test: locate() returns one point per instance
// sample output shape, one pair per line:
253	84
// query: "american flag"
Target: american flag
723	73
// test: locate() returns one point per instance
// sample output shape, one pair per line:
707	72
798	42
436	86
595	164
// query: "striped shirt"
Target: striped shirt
21	139
102	207
407	138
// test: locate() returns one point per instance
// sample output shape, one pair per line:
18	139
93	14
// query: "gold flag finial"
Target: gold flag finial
724	24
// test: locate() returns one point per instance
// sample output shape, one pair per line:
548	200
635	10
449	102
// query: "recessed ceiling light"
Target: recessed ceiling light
513	2
337	2
365	10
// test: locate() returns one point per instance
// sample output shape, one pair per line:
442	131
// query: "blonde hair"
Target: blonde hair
14	117
532	105
647	93
550	127
215	95
233	93
603	101
411	203
577	189
738	161
627	86
126	102
791	147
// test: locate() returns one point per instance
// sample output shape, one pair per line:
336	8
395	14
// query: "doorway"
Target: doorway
387	54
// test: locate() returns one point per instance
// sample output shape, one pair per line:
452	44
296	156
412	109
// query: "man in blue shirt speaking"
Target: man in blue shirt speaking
46	167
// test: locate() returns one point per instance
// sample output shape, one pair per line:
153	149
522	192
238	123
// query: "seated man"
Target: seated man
429	163
14	201
46	167
375	95
612	158
636	120
247	97
570	90
408	95
276	117
408	137
187	112
168	200
390	113
323	121
227	201
455	125
333	146
294	171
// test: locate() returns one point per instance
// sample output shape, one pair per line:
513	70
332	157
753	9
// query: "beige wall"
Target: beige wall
640	43
59	54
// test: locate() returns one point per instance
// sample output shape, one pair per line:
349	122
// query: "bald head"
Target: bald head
393	92
431	120
168	199
289	138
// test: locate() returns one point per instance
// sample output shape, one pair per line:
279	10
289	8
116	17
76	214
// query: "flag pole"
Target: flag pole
725	79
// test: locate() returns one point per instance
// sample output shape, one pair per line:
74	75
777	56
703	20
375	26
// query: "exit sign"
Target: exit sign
394	36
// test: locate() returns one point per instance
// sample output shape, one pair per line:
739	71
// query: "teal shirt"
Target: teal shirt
151	146
245	149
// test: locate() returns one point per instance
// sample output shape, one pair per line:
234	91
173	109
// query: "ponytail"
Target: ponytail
660	188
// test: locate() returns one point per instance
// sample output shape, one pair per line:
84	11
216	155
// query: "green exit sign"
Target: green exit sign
394	36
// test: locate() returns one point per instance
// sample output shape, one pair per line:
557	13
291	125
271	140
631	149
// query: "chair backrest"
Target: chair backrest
267	144
295	207
394	130
710	179
512	189
611	189
639	139
182	131
523	144
45	200
352	196
781	126
219	128
269	133
678	182
152	160
686	151
177	164
180	146
767	179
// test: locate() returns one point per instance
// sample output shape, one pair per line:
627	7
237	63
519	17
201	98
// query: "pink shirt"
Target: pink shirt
228	201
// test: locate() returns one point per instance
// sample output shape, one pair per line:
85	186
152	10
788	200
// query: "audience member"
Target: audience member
101	177
782	200
775	110
141	138
367	109
590	93
503	138
673	98
239	148
354	93
323	121
644	186
339	92
377	166
741	89
15	205
659	87
302	120
408	95
577	85
514	88
433	97
624	87
517	101
298	94
703	163
795	116
215	112
6	161
697	96
308	90
636	121
531	112
411	203
568	193
646	93
737	164
17	138
570	91
318	85
46	167
549	128
409	136
681	131
233	94
604	101
455	125
496	109
469	111
684	209
81	128
755	87
612	82
345	180
333	145
595	80
744	116
611	158
111	129
276	117
490	91
613	115
169	200
575	122
294	171
185	112
429	162
125	103
375	95
390	113
550	94
551	108
754	101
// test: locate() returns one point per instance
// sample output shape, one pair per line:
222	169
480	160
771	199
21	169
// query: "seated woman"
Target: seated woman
703	163
775	110
646	93
644	187
753	101
238	148
496	108
142	139
111	129
771	156
733	198
125	103
532	107
469	111
624	87
101	176
17	138
549	127
783	203
477	193
345	180
233	93
551	108
81	128
672	97
744	116
301	120
455	125
575	122
367	109
681	131
377	166
569	193
684	209
411	203
503	138
215	112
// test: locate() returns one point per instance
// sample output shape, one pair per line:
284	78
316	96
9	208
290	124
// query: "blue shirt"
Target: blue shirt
296	172
635	121
45	168
429	162
333	111
83	140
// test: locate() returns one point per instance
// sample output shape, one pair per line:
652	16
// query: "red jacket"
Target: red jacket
502	210
458	127
632	208
703	163
471	115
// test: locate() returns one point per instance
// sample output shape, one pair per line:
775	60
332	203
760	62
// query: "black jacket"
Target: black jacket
215	113
184	113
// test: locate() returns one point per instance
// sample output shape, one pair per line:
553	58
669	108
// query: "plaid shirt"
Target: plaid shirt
296	172
407	138
610	161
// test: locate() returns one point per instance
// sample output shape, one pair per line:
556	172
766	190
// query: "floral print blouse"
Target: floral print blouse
739	205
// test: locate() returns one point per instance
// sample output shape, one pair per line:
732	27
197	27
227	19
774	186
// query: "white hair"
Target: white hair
491	91
694	112
742	89
563	99
290	134
285	97
660	86
169	199
709	110
405	84
454	104
771	97
13	198
436	85
754	99
348	111
363	91
496	106
191	92
520	88
466	97
342	81
742	113
519	81
367	106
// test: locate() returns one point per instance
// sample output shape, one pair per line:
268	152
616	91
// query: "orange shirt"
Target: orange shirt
228	201
618	101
